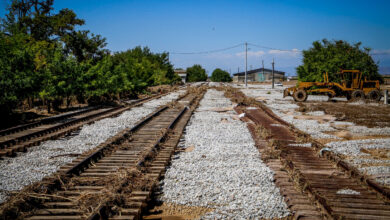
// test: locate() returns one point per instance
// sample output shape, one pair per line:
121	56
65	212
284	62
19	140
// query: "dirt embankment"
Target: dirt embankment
364	114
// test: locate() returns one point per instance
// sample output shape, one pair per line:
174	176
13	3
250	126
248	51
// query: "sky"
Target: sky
276	30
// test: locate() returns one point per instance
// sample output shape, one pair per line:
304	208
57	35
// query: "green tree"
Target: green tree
85	46
36	18
196	73
17	78
331	56
43	57
219	75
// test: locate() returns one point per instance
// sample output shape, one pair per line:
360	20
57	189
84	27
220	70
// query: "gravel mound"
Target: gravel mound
45	159
224	170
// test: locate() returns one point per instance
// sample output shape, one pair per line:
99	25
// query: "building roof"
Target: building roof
178	71
258	70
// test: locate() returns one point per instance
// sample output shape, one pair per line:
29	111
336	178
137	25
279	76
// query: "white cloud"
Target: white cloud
293	52
380	52
251	54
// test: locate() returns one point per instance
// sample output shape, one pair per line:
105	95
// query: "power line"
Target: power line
271	48
210	51
228	48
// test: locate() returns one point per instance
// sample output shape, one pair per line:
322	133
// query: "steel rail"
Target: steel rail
100	152
22	142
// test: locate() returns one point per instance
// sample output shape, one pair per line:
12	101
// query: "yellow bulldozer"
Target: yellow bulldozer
351	86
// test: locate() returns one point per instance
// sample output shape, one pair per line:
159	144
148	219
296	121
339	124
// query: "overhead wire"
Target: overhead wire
271	48
210	51
228	48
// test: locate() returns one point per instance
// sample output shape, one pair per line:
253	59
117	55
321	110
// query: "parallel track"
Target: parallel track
301	168
147	148
18	139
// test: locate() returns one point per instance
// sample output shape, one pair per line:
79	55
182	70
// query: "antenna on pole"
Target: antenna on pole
246	64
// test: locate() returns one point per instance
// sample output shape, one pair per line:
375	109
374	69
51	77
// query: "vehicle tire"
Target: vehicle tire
357	95
300	95
374	95
348	96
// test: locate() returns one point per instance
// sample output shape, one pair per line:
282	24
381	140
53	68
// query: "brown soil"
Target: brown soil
170	211
320	118
160	89
190	148
365	115
290	83
377	153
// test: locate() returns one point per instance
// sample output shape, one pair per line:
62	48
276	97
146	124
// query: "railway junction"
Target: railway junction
205	151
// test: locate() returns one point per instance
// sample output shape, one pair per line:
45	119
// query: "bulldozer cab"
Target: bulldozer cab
351	78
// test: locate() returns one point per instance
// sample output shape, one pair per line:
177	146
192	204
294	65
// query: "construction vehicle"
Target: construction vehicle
351	86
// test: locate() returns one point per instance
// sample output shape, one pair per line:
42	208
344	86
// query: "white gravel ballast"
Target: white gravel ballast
45	159
224	170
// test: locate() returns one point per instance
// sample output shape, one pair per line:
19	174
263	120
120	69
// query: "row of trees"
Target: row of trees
43	57
197	73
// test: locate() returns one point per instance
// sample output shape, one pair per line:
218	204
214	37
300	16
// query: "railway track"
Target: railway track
314	186
116	180
20	138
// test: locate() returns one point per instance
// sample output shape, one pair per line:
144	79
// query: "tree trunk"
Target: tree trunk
67	102
48	106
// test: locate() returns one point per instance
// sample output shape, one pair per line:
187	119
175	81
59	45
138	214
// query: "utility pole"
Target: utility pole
246	64
262	62
273	75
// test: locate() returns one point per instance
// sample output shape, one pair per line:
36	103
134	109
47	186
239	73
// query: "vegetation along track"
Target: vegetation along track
314	186
116	179
19	138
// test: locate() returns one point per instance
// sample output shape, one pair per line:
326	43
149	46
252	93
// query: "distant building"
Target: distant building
259	75
292	78
386	79
182	73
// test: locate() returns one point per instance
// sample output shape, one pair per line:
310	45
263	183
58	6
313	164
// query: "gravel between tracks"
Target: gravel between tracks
224	170
42	160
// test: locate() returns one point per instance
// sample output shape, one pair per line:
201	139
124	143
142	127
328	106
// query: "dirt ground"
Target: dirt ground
365	114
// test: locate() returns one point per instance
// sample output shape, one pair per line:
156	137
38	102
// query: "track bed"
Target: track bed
120	173
332	188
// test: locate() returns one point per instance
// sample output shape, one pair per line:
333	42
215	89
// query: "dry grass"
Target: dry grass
30	197
272	151
261	131
377	153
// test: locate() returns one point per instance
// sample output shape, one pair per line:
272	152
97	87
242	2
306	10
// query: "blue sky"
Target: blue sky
193	26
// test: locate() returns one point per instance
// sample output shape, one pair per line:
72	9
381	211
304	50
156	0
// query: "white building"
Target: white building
182	73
